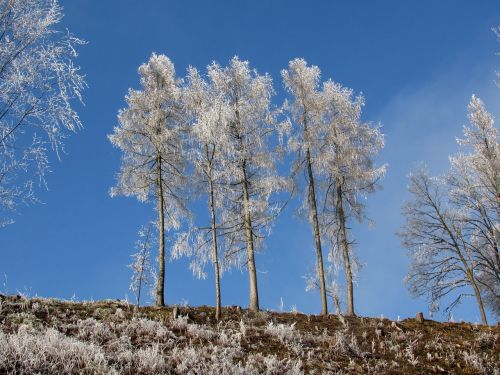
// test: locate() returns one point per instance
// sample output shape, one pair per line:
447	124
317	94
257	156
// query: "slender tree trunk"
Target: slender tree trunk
139	287
252	274
478	297
317	238
214	241
160	286
345	250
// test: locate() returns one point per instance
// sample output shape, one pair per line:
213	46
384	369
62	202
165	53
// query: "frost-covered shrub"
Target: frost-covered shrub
145	330
94	331
257	363
284	332
50	352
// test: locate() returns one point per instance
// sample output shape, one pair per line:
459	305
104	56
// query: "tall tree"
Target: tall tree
250	173
38	83
302	82
347	151
452	224
474	180
151	136
208	118
141	265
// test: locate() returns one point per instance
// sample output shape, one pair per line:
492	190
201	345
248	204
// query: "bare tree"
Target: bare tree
348	149
441	261
302	82
151	136
141	265
38	83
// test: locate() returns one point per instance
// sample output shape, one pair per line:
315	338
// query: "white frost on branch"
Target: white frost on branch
38	83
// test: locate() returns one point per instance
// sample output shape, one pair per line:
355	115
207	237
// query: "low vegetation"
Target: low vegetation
50	336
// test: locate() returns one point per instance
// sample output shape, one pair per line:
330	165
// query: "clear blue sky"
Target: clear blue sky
417	63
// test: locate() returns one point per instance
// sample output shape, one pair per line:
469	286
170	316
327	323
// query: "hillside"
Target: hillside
49	336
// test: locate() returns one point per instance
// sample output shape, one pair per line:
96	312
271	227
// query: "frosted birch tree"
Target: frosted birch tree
302	82
38	84
348	148
250	177
151	136
141	265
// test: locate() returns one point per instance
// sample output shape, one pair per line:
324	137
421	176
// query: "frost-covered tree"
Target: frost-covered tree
302	82
151	136
38	83
453	223
348	147
333	288
208	113
250	177
474	180
141	265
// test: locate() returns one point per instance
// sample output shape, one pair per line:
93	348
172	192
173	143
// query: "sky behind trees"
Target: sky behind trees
417	66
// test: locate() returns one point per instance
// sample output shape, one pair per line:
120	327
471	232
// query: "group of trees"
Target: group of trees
217	136
216	130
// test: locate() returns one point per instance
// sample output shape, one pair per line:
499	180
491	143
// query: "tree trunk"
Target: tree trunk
478	297
345	250
252	274
214	242
140	285
160	286
317	238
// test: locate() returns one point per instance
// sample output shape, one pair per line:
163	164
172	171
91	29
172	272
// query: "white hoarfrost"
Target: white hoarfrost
38	84
452	223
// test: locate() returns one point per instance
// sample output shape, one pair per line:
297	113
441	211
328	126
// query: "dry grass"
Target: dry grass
54	337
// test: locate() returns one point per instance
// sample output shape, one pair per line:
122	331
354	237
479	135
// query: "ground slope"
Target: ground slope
49	336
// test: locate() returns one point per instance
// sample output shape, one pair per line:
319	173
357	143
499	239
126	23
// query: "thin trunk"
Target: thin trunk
139	287
214	241
160	286
478	297
468	271
252	274
317	238
345	251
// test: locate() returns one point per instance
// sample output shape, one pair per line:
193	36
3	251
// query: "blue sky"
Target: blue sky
417	63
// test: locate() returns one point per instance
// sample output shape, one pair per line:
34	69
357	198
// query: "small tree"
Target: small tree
333	289
38	83
141	265
151	136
